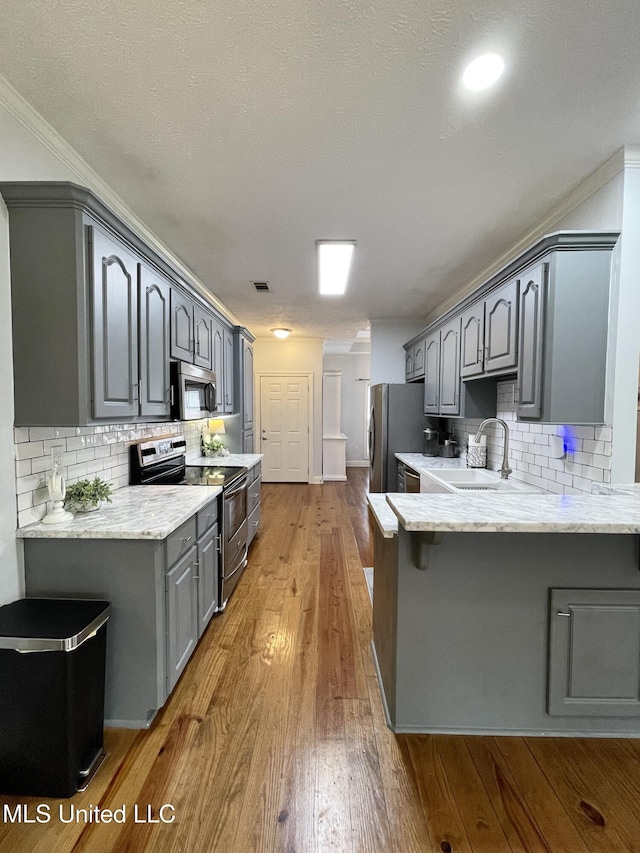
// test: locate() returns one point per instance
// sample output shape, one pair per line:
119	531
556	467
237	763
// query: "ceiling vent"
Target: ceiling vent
261	286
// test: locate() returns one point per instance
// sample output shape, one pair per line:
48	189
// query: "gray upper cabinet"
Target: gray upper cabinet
415	360
488	337
154	309
181	326
501	328
564	332
243	357
247	392
408	362
432	374
472	341
217	361
594	653
450	368
202	337
108	311
114	325
228	366
532	300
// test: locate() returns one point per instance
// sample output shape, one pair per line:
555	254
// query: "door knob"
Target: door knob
264	438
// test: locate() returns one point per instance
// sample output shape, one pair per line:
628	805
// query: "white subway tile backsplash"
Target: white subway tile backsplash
29	449
530	452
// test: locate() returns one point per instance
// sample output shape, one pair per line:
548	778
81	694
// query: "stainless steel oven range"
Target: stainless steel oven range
162	462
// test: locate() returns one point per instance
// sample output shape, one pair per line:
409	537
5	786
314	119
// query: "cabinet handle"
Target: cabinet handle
480	355
187	538
211	515
516	394
197	565
256	523
137	390
170	391
563	613
219	543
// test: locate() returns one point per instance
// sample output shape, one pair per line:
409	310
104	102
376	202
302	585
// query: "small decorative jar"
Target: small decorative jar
477	452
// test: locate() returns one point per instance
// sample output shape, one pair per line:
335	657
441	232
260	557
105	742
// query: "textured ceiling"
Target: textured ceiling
242	131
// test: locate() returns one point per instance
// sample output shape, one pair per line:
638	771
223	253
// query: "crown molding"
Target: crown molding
31	120
632	156
584	190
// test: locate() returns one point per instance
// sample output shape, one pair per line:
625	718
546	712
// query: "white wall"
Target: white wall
387	354
354	402
294	355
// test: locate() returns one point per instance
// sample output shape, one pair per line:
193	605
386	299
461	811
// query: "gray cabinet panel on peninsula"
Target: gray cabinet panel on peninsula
105	308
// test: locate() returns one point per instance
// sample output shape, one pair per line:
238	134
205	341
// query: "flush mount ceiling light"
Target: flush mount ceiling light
334	264
483	71
281	333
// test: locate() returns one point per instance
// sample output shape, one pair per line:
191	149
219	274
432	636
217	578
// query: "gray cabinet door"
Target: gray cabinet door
408	364
154	343
202	337
500	336
217	362
432	373
594	654
247	384
208	568
472	341
228	370
418	360
450	368
114	321
531	321
181	326
182	615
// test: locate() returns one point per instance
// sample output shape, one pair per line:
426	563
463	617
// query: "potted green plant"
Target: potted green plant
87	495
212	446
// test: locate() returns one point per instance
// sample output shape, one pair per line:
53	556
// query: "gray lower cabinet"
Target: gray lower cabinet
253	502
162	592
594	652
182	615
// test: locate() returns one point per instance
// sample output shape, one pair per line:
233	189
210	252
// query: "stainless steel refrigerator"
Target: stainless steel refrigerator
396	426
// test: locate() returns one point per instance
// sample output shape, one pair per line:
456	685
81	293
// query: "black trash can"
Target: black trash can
52	663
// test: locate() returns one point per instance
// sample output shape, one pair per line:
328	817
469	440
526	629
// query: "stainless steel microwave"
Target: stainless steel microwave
193	392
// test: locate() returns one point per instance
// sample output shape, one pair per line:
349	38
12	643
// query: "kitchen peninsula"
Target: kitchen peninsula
508	614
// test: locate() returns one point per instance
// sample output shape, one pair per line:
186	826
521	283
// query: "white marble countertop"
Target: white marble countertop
234	460
423	463
511	513
383	514
136	512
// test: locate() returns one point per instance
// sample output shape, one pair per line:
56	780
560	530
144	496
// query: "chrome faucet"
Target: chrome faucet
504	470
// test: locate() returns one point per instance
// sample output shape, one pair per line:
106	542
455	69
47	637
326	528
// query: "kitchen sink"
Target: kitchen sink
458	480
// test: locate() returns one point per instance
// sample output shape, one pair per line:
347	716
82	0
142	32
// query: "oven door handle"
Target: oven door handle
241	564
236	491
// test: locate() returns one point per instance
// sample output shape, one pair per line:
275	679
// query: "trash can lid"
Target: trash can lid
50	624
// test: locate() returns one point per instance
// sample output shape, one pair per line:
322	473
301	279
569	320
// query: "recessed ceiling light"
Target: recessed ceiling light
281	333
334	264
483	71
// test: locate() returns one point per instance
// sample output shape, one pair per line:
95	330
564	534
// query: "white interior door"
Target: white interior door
284	428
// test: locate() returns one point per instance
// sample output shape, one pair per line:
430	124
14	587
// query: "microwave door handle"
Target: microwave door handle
210	397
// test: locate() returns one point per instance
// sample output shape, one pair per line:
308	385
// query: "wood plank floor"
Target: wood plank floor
275	739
